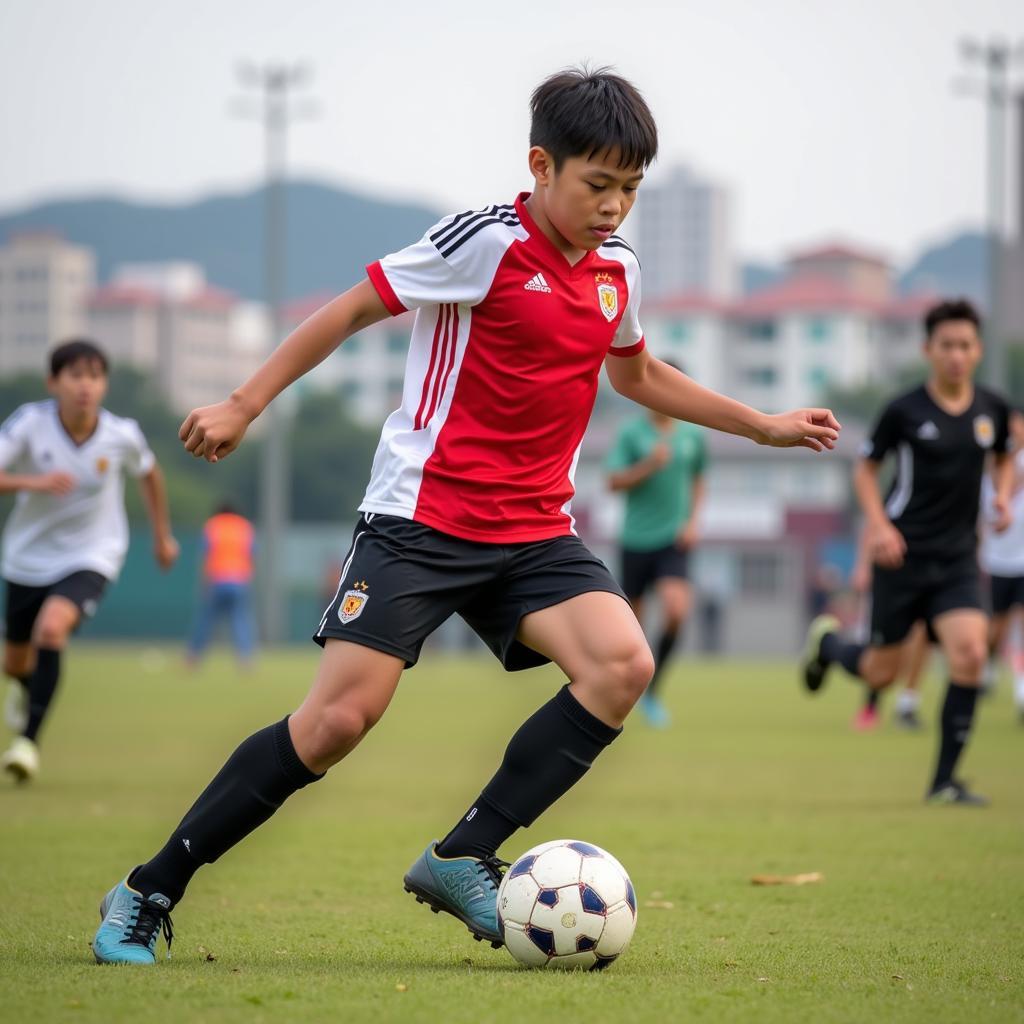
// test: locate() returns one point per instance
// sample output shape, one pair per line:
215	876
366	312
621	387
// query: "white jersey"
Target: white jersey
48	537
1002	554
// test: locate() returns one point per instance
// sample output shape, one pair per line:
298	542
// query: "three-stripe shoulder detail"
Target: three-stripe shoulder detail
464	226
615	242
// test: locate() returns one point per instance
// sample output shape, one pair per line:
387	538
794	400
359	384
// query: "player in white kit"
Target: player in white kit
1002	556
66	539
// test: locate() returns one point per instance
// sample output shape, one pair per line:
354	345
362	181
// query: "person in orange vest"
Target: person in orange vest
229	545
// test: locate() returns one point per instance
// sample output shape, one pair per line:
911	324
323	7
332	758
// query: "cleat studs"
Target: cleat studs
435	910
496	945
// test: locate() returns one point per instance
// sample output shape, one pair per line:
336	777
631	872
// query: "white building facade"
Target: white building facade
44	285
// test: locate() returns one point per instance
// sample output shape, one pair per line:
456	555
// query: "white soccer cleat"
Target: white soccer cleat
21	761
16	707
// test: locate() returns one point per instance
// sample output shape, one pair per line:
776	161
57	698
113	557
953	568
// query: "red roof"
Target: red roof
112	295
806	294
836	251
128	295
690	302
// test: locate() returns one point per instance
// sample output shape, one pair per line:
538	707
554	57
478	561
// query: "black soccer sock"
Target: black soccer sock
666	642
835	648
549	754
256	779
871	701
42	686
955	728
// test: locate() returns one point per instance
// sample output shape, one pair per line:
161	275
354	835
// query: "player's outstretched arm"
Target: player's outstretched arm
154	497
658	386
217	430
57	484
1002	502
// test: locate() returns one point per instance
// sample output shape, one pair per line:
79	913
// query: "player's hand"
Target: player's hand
166	551
860	578
687	537
58	484
215	431
660	454
886	546
816	429
1002	518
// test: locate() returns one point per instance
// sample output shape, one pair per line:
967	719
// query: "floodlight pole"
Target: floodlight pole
995	58
274	83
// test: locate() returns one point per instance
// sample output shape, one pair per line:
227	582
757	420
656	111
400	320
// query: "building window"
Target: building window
760	330
817	378
819	329
763	376
760	573
679	330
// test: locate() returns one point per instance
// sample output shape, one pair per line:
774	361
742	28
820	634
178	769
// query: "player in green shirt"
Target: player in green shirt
659	462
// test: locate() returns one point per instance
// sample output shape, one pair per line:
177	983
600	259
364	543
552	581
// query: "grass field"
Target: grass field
920	916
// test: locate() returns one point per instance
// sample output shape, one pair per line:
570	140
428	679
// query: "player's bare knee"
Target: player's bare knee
51	633
630	673
967	660
342	724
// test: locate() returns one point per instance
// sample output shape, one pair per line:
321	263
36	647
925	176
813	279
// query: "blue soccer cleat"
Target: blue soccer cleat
129	925
464	887
656	714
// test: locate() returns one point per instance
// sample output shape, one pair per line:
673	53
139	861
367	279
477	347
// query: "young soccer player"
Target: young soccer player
67	536
1002	557
659	462
467	510
923	538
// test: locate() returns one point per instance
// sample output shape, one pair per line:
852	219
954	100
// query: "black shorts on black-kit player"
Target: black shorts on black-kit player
401	580
83	589
642	569
921	588
1007	592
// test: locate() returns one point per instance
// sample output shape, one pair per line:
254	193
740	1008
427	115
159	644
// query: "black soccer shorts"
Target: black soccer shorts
921	588
642	569
401	580
1006	592
84	589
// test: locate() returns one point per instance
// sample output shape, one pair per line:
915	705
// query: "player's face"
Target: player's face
954	351
589	197
79	388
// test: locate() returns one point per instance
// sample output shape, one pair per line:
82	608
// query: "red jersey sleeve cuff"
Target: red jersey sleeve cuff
379	280
630	350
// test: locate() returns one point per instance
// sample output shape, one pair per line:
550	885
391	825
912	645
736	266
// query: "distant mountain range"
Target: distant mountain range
334	233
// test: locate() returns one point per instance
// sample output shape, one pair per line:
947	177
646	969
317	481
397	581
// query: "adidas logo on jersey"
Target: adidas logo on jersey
928	431
537	284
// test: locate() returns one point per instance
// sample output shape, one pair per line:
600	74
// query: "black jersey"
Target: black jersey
934	499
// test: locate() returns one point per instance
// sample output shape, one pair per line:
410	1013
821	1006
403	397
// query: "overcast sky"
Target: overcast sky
825	119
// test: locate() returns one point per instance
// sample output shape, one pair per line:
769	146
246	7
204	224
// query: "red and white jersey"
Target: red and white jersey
502	374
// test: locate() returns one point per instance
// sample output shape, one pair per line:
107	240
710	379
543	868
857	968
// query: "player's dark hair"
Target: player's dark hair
226	508
583	112
75	351
951	309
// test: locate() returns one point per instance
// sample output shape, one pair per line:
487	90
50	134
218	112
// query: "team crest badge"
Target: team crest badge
102	465
984	431
608	296
354	602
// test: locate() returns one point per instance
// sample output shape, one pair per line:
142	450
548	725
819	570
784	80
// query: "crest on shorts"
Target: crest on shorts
608	296
984	431
102	465
354	601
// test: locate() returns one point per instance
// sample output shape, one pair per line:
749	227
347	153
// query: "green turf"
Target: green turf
920	916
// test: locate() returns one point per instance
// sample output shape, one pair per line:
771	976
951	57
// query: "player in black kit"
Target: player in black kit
923	537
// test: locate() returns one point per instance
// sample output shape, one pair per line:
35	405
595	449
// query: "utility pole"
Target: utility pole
995	58
273	107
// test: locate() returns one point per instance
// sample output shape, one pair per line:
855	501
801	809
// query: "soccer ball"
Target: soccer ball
566	904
